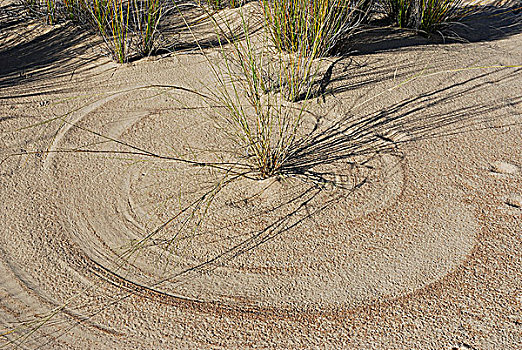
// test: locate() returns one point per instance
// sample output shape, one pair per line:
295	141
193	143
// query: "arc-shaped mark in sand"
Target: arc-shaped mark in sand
81	113
117	129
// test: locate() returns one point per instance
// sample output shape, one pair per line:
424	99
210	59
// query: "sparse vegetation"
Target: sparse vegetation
256	114
312	28
128	27
424	15
266	72
220	4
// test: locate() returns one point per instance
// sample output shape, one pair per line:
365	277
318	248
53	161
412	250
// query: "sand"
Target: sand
421	250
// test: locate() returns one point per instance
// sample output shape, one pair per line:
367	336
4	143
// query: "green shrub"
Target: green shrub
312	27
127	26
423	15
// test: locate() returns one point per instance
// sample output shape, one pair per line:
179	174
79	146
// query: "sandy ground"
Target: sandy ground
422	250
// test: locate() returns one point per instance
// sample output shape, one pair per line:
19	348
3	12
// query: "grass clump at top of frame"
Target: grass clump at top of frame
304	30
424	15
128	27
262	123
312	27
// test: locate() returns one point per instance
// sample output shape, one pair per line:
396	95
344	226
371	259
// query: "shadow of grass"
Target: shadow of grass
41	53
486	23
414	119
385	132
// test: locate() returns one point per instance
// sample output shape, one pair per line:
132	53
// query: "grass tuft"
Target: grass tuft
221	4
303	31
128	27
312	27
424	15
260	121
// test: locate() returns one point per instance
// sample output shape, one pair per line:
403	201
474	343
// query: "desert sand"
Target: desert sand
421	250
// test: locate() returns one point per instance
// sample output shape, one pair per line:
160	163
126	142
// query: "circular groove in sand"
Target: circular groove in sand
341	257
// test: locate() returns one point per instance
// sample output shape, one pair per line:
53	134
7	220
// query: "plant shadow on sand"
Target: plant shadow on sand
363	138
352	143
487	23
319	188
40	53
348	138
358	62
50	52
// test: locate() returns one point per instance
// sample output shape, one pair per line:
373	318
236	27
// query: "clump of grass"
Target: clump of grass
147	17
220	4
303	31
258	83
128	27
423	15
262	124
115	29
439	12
312	27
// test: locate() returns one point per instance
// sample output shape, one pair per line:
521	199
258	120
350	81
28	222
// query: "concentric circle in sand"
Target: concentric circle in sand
276	244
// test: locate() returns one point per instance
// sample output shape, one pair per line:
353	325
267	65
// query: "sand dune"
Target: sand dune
421	249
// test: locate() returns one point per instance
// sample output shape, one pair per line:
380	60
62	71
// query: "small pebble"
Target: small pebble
504	168
514	200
